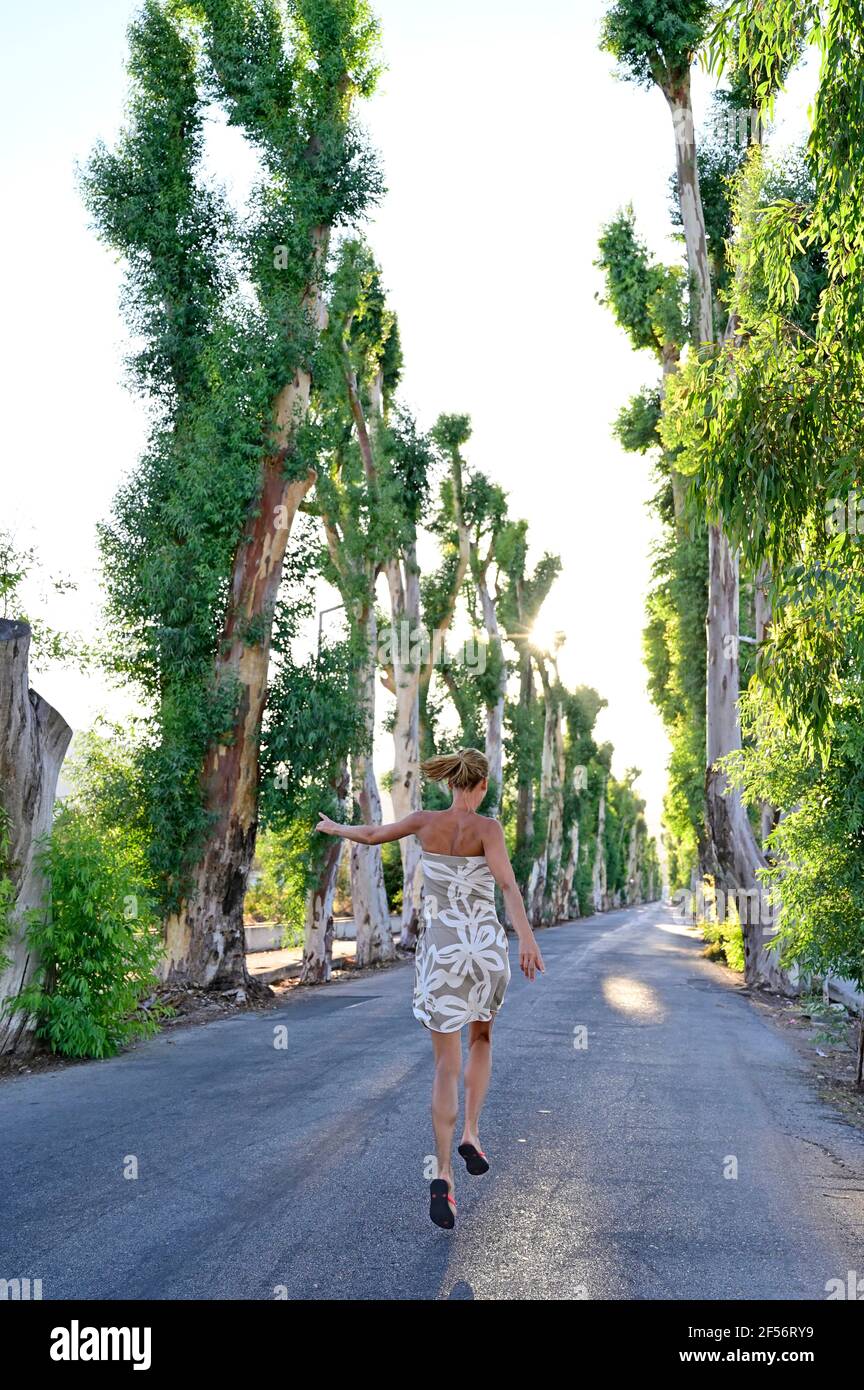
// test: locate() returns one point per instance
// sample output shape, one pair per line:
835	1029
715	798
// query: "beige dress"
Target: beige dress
462	966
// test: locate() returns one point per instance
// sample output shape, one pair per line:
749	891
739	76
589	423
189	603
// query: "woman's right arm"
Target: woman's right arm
372	834
495	850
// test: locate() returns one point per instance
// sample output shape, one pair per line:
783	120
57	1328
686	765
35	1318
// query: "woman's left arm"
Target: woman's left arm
373	834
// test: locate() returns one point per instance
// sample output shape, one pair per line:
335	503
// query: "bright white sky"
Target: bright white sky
507	142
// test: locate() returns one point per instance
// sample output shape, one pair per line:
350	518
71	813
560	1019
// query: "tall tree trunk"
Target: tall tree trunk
690	204
406	791
33	743
495	709
564	889
547	862
634	867
205	942
731	855
598	876
318	932
762	622
368	896
525	789
357	584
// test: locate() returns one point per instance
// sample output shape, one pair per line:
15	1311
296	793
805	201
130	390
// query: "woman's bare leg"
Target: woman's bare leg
445	1098
478	1070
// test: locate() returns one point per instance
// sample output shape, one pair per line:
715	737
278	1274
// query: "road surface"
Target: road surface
267	1171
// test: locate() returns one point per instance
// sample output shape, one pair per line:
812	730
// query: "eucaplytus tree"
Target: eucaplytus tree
371	489
546	865
440	590
412	462
521	600
312	722
656	45
485	507
228	309
648	300
779	450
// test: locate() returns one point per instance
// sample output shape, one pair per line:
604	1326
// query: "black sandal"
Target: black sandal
475	1159
440	1203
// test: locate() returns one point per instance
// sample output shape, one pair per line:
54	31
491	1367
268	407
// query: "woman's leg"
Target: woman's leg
478	1070
445	1097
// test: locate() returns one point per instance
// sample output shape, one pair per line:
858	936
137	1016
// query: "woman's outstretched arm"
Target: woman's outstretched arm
495	850
373	834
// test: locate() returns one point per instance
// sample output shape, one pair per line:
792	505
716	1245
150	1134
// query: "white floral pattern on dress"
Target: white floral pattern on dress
462	965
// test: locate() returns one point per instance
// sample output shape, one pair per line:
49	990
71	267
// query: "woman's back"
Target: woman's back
452	831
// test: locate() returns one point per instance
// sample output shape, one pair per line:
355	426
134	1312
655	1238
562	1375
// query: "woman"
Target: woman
461	967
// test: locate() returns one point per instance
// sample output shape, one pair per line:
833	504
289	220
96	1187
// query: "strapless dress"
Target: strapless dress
462	964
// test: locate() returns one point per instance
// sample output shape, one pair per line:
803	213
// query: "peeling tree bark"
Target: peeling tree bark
368	896
690	203
403	578
541	891
205	942
733	857
731	853
318	934
525	789
495	709
634	867
598	876
564	887
33	743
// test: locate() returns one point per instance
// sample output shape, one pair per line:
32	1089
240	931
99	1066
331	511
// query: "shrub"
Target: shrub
98	944
725	942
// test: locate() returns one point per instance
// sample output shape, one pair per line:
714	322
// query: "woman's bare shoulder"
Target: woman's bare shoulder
491	830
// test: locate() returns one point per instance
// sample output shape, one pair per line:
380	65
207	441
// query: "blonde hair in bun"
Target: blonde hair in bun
465	768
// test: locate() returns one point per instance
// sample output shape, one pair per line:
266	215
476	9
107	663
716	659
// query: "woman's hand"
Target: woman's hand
328	826
530	958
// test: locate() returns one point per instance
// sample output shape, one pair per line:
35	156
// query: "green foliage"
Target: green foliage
15	565
391	857
769	429
370	505
98	946
104	771
281	883
647	299
18	565
817	867
648	302
313	722
636	427
655	40
217	303
725	941
99	940
772	442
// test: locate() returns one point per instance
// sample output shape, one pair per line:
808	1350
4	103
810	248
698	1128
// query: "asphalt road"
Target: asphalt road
265	1171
